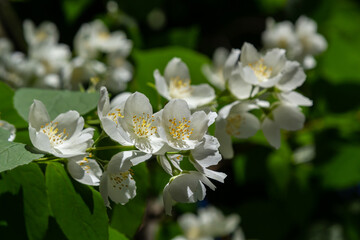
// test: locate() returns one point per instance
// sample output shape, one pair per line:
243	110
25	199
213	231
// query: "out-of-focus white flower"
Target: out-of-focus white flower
261	70
304	154
187	187
311	41
302	41
223	64
94	37
62	137
80	71
85	170
5	46
45	34
180	129
117	182
285	115
9	127
210	223
235	120
176	83
16	69
119	74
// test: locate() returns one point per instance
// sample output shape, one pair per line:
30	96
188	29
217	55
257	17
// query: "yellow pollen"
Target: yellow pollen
179	88
55	137
180	130
117	180
261	71
115	114
142	125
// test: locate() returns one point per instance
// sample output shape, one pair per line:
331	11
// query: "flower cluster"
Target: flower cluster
301	41
173	134
98	54
259	83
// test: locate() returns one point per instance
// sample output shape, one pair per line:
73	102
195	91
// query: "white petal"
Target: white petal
119	100
231	62
238	87
38	115
201	94
296	99
40	140
176	68
136	105
115	132
168	201
207	154
70	122
224	138
103	189
249	54
122	194
85	171
214	77
250	124
219	57
271	132
199	124
289	117
293	76
275	59
161	85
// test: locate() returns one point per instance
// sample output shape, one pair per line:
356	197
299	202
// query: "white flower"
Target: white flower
261	70
180	129
235	120
63	137
210	222
9	127
80	70
293	76
119	74
188	187
129	120
281	35
45	34
205	155
84	170
176	83
312	42
117	182
223	64
140	124
286	115
94	37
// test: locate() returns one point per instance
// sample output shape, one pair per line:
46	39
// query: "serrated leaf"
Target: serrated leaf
128	218
56	101
76	219
36	210
14	154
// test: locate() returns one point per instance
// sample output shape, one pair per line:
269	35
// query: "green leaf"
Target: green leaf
341	60
36	208
76	219
14	154
7	110
127	218
149	60
343	170
4	134
115	235
56	101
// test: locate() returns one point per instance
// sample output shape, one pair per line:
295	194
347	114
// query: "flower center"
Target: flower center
142	125
53	133
180	129
261	71
179	88
117	179
114	114
233	124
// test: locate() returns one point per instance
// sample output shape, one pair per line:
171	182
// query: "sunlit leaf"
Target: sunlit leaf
77	219
56	101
